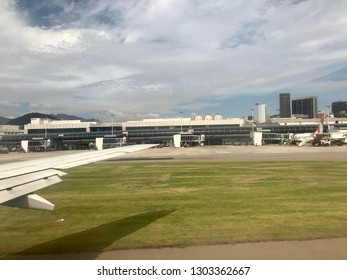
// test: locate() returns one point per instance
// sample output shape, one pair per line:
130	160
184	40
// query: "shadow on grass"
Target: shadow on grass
89	244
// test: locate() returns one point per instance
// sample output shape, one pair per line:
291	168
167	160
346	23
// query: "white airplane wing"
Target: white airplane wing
19	180
304	141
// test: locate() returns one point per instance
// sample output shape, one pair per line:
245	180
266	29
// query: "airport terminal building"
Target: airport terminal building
45	134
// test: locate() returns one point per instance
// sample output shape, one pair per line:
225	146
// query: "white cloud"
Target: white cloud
153	56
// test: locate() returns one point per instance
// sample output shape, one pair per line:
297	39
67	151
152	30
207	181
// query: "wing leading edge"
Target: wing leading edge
19	181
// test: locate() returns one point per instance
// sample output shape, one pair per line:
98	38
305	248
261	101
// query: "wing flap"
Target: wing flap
31	201
28	188
16	181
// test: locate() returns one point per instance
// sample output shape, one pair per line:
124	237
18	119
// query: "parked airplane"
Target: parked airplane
19	180
332	137
302	138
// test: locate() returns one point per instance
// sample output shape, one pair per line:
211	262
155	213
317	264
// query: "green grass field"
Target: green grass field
145	205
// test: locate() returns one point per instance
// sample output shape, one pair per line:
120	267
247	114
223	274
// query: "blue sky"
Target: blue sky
155	58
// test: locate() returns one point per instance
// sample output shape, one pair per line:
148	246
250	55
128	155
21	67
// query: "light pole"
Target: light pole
181	120
252	110
112	115
328	113
46	121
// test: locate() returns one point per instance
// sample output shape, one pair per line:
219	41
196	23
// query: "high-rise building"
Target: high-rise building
285	109
305	107
339	108
261	113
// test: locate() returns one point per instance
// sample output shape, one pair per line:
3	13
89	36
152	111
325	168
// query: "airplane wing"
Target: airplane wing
304	141
19	180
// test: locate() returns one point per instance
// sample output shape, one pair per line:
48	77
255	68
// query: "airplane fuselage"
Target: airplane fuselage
303	136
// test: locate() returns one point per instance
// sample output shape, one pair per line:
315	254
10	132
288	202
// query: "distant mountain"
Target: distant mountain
3	120
66	117
25	119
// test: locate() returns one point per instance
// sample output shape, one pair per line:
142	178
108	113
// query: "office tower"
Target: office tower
285	109
339	108
306	107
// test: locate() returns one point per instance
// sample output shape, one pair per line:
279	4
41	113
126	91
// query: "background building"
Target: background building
339	108
305	107
285	108
261	113
45	135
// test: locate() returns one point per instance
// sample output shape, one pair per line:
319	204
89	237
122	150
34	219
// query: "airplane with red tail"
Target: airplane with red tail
301	139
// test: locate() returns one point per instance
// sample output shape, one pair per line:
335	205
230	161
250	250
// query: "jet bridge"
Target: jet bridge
36	145
188	139
108	142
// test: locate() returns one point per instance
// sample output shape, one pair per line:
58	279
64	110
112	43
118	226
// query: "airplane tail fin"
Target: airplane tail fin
320	125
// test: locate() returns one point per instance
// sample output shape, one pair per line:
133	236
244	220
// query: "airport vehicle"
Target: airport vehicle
336	136
329	140
4	150
19	180
338	141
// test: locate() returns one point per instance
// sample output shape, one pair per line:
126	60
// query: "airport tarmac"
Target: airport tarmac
15	157
321	249
326	249
318	249
210	153
240	153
